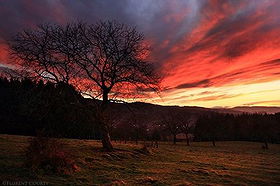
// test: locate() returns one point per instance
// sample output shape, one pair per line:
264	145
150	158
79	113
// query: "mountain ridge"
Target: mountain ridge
197	109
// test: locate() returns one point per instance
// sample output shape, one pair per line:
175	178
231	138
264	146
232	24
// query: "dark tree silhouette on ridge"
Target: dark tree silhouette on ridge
171	124
186	122
103	59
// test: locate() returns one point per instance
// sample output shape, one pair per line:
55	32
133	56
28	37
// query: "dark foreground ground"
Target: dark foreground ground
230	163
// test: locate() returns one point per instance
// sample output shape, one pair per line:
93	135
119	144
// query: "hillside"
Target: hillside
151	113
257	109
153	109
232	163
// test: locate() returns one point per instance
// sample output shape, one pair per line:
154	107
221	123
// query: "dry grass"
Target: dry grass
232	163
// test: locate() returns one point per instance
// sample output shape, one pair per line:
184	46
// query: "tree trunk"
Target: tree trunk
188	140
136	138
106	141
105	99
174	139
214	143
265	144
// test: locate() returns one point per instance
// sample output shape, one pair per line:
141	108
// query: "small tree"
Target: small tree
186	124
138	123
156	134
171	124
102	59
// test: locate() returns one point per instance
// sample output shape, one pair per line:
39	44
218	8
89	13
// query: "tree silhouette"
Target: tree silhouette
103	59
171	124
187	123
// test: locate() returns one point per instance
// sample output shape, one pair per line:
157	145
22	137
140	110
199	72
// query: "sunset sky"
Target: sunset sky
211	53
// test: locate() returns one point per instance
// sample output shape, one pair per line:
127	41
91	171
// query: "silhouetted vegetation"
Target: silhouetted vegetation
101	60
245	127
27	106
49	154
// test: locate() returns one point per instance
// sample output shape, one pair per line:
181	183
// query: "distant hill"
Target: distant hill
154	110
257	109
150	113
148	107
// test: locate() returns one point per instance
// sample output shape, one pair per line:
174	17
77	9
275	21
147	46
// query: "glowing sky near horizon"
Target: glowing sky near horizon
210	52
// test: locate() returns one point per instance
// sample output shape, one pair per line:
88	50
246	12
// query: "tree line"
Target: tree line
243	127
28	106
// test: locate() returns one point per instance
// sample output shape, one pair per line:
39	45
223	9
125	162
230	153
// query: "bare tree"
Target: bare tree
105	59
38	52
139	125
156	134
186	123
171	123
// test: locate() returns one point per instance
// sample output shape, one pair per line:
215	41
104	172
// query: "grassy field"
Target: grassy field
229	163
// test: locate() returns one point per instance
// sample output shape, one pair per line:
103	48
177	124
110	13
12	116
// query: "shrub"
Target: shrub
49	154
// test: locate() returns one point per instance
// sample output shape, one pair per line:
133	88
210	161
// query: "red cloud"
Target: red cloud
196	44
233	44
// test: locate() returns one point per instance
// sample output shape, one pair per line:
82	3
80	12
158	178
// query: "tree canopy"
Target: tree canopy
99	60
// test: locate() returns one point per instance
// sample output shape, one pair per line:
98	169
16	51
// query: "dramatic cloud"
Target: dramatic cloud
202	83
271	102
199	46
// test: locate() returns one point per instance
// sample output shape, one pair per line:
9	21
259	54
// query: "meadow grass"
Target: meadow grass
229	163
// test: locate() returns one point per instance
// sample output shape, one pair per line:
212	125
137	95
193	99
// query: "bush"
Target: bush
49	154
